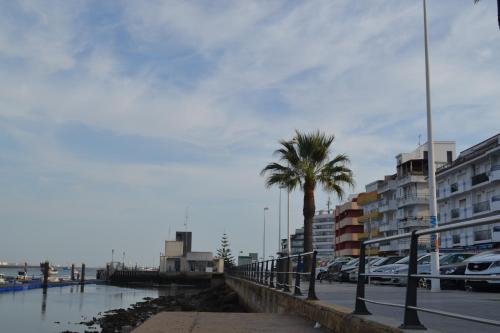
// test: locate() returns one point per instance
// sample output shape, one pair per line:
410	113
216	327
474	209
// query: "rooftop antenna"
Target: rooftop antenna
419	136
187	217
328	203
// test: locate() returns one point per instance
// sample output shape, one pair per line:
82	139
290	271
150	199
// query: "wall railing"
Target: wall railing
411	319
279	273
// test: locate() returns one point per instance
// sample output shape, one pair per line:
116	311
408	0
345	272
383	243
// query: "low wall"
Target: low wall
337	319
154	277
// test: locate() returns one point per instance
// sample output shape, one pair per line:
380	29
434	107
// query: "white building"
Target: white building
404	196
174	259
323	234
469	188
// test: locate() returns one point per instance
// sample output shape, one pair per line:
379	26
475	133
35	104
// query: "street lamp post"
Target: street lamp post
264	236
435	283
279	224
289	246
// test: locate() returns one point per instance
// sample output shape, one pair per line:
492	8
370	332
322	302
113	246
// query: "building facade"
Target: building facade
372	217
348	228
400	202
324	234
469	188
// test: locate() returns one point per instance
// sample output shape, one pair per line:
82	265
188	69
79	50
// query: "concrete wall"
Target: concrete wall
337	319
173	249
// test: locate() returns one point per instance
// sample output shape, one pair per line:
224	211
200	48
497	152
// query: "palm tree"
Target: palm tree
498	10
307	163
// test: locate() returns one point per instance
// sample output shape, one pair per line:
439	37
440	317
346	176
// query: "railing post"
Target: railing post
297	291
271	276
312	279
255	271
262	273
411	320
286	276
279	275
360	305
266	275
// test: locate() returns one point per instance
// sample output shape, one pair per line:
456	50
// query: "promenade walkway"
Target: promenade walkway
214	322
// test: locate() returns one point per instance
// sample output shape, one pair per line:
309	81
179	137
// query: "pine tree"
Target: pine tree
224	252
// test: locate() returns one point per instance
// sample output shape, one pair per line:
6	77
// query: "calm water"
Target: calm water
31	311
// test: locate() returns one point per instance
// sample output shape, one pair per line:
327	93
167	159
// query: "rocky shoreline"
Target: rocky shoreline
218	299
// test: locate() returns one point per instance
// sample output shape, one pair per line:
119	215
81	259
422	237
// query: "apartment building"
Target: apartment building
469	188
400	202
372	217
296	240
323	233
348	228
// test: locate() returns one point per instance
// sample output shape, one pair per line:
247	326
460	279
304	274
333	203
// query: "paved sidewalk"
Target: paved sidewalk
480	304
213	322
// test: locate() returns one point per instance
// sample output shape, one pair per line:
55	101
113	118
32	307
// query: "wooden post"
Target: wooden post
72	272
45	282
82	276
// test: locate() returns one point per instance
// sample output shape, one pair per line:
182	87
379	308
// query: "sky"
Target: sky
117	117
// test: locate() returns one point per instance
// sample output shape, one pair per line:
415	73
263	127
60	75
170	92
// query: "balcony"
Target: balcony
369	216
387	206
495	202
414	222
495	173
480	178
480	207
366	235
389	247
419	199
388	227
455	213
414	178
454	187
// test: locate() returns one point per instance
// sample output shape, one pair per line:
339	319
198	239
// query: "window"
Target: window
449	156
426	155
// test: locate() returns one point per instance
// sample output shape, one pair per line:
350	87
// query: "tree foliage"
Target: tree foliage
224	252
304	162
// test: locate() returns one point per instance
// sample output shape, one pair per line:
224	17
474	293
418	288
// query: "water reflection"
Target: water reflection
62	308
44	304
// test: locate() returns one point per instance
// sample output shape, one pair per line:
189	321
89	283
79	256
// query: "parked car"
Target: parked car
486	263
345	272
334	268
453	265
370	266
401	267
321	271
423	267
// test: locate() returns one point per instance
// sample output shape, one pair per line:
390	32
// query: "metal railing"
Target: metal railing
279	274
411	320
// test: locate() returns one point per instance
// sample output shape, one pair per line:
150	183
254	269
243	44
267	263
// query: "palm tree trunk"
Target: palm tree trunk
498	13
308	212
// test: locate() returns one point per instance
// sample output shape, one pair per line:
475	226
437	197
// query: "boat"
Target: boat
22	276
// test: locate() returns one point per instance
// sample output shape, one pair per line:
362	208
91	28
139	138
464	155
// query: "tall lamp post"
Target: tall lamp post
435	283
279	224
264	237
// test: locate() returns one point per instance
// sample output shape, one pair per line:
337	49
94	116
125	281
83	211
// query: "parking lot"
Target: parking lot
480	304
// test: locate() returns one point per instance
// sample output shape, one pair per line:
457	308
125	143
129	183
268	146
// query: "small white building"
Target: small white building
174	261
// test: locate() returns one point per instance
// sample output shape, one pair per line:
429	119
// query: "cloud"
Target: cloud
124	114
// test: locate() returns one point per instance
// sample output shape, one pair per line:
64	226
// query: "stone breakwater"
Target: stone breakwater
219	299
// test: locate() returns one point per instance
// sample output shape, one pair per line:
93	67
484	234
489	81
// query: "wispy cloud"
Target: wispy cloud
118	115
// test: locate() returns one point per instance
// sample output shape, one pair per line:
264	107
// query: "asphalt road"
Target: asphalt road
479	304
